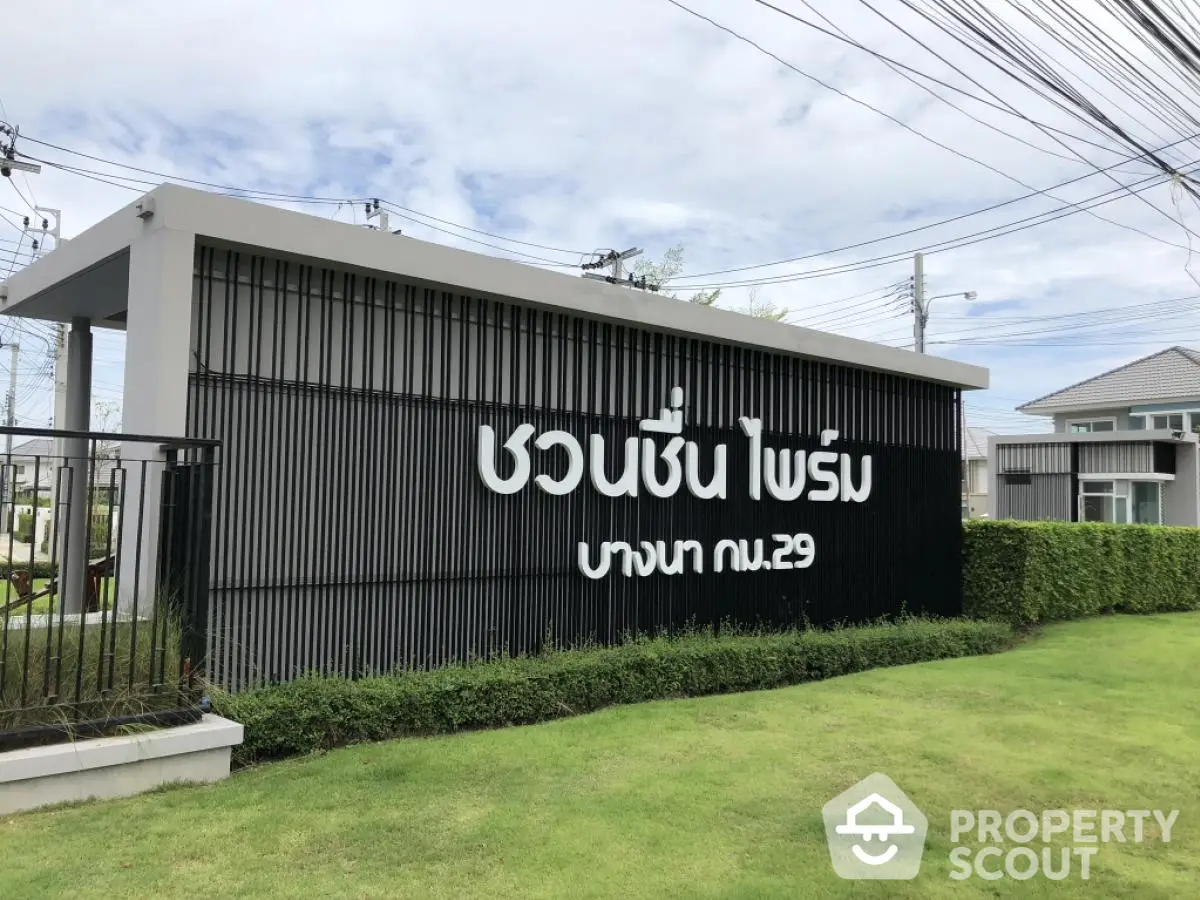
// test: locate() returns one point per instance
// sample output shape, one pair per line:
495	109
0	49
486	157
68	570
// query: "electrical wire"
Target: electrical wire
942	246
846	39
263	194
927	89
841	93
1170	170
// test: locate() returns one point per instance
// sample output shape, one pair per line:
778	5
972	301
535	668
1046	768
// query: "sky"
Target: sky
635	124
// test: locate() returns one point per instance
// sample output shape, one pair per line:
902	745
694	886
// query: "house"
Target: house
29	462
975	472
1124	448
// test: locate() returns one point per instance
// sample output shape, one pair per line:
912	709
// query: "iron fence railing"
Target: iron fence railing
105	567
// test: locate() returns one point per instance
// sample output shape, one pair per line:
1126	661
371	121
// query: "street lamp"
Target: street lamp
922	313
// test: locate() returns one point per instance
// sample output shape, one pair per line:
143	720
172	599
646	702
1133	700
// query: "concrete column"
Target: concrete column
157	362
993	480
73	552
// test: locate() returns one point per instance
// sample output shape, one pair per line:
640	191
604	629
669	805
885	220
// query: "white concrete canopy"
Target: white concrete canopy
134	270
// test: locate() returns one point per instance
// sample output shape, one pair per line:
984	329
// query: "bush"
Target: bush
41	568
24	530
1029	572
316	713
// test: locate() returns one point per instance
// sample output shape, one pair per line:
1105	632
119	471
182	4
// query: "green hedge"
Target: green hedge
24	530
316	713
41	568
1030	572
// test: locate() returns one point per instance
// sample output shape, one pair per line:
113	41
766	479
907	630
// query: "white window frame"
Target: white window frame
1114	491
1158	486
1190	419
1122	486
1071	423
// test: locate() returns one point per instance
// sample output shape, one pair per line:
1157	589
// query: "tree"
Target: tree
669	267
671	264
764	309
106	416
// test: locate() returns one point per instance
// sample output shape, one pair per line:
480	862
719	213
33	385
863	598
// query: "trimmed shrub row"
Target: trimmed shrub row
41	568
317	713
1030	572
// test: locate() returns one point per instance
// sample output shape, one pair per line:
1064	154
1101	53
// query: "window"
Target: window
1086	426
1121	502
1103	501
1167	421
1147	503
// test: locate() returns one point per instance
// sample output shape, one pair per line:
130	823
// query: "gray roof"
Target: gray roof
975	442
1171	374
35	447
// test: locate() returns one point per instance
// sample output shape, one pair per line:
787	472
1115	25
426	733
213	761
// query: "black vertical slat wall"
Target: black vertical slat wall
353	534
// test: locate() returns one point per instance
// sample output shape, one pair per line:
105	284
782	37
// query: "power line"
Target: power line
264	194
900	70
1063	96
950	244
1144	150
895	64
917	229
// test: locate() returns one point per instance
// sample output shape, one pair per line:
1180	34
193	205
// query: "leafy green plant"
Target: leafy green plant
1029	572
315	713
24	530
40	568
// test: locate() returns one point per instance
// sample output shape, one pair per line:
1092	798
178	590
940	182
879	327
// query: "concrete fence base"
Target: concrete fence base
120	766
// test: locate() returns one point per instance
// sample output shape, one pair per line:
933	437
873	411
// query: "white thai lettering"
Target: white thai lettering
751	563
849	491
716	486
574	474
627	482
724	548
752	428
670	456
817	460
585	565
670	420
697	551
516	448
627	562
788	484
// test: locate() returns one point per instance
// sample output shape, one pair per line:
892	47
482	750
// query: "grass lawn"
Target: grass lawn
48	604
718	797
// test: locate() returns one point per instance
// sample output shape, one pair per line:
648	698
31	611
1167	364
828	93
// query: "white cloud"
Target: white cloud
635	123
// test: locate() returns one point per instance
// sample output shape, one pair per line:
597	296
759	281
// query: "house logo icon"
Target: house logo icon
875	831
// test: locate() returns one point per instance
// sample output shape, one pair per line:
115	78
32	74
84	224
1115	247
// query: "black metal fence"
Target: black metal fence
356	532
104	606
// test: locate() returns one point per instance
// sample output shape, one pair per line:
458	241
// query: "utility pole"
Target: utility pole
58	448
373	212
920	311
10	419
921	303
10	415
8	153
615	259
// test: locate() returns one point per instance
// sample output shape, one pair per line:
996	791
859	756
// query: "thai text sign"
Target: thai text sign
821	476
